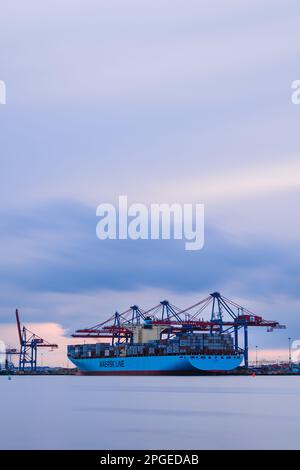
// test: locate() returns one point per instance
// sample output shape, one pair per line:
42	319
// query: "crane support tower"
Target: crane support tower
29	345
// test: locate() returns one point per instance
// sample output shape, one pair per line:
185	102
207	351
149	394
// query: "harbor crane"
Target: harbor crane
9	352
226	316
29	345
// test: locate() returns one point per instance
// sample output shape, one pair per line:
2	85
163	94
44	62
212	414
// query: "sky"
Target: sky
181	101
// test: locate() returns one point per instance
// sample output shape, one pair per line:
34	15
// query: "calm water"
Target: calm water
150	413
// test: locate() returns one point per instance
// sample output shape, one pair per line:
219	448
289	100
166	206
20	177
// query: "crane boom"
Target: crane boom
18	326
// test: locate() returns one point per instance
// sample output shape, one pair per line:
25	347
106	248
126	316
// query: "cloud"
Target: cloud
53	251
133	98
54	248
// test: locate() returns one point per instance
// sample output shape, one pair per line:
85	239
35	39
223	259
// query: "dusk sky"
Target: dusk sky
182	101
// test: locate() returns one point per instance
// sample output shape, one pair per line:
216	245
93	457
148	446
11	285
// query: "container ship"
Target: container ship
166	340
186	353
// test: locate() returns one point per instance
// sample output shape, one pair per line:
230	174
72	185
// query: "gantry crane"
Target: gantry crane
29	344
226	316
8	359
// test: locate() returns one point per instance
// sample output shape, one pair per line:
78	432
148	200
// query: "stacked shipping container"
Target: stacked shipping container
183	343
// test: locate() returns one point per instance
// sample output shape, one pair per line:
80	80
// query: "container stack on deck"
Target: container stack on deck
194	343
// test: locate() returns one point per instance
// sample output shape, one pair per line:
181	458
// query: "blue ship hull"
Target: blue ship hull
157	365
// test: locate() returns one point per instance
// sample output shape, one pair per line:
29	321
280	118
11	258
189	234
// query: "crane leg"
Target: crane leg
236	338
246	346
